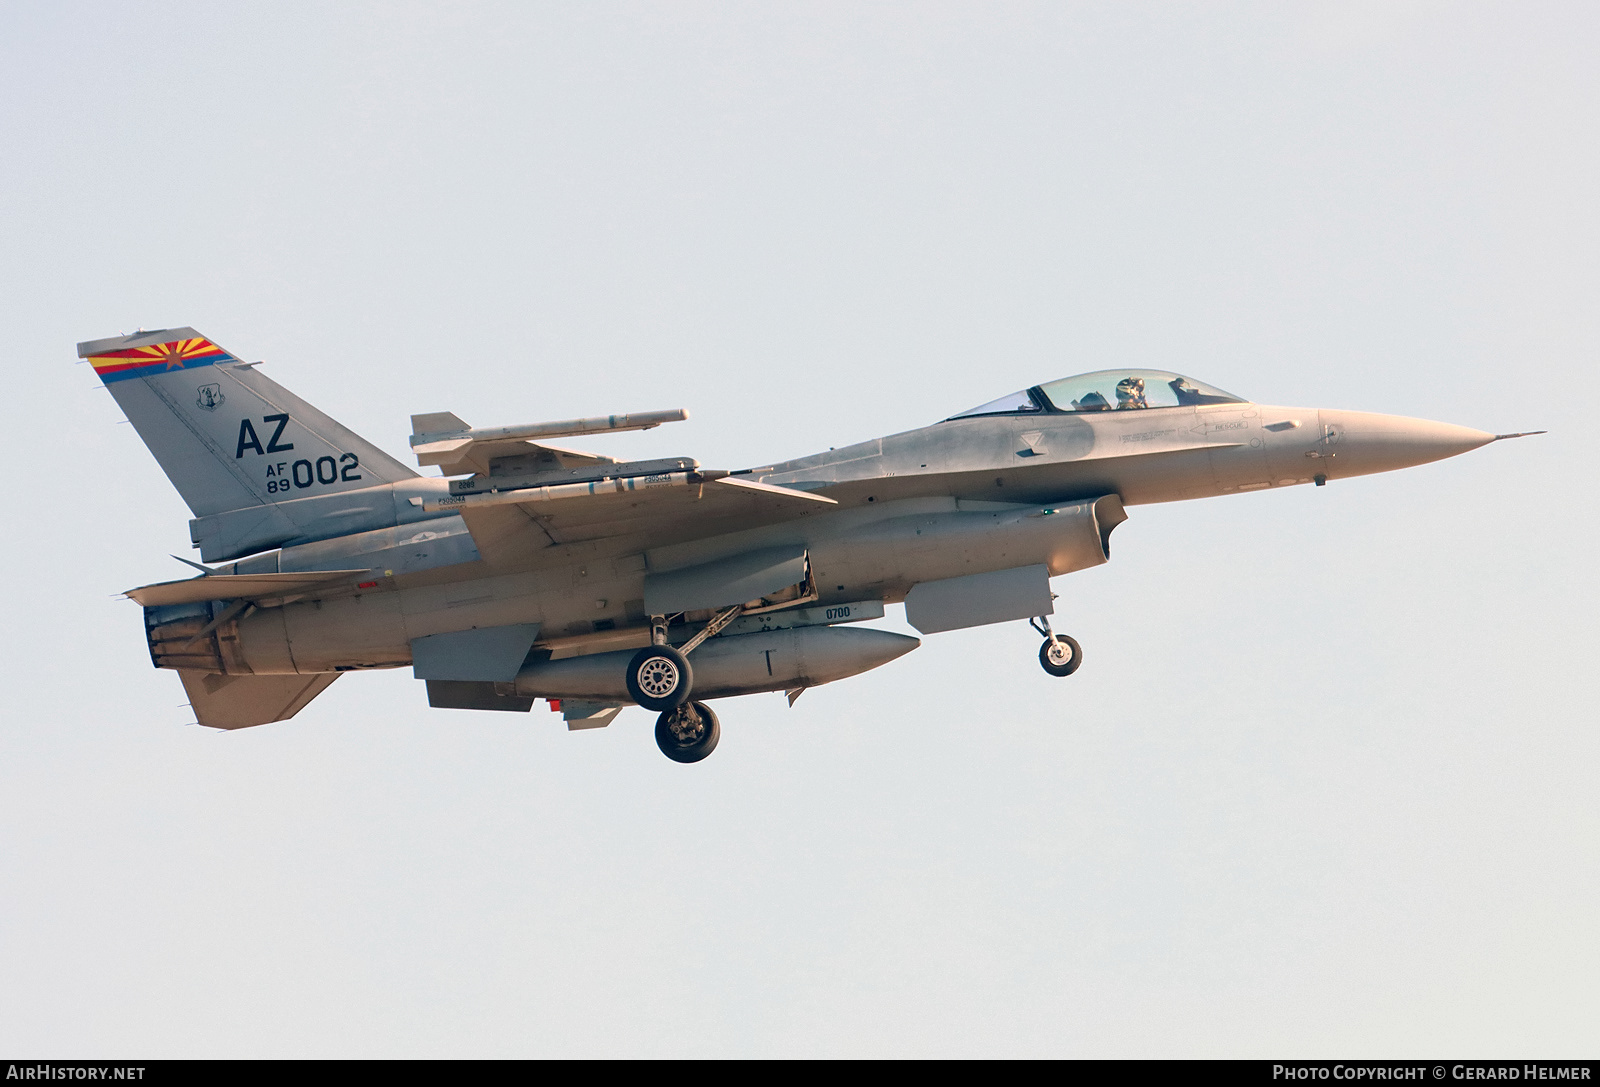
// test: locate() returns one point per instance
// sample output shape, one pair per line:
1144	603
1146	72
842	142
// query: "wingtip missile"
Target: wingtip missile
436	427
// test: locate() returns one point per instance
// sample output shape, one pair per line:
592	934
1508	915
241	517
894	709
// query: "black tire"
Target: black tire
688	733
1064	663
659	678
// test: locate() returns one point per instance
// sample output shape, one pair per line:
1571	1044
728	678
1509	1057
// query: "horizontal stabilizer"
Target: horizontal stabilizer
242	701
236	587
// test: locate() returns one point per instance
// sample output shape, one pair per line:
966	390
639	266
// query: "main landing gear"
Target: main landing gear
688	733
659	678
1060	654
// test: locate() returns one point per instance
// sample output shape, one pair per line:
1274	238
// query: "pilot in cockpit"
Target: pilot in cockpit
1130	393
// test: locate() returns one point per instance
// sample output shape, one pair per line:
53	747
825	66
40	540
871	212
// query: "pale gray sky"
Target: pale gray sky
1325	784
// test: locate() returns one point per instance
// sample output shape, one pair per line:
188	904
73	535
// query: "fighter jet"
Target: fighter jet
529	570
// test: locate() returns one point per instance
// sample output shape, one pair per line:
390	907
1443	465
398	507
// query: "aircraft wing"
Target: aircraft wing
511	527
513	515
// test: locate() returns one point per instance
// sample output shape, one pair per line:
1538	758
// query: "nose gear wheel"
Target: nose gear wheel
1060	655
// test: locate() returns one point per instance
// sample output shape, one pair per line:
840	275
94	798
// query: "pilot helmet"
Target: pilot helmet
1130	388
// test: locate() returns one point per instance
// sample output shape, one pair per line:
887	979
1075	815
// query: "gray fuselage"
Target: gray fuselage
956	498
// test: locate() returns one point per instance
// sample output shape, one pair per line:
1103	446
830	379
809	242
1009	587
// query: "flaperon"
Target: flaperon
537	571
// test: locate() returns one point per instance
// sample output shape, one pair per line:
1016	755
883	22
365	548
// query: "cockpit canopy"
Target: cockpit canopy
1107	390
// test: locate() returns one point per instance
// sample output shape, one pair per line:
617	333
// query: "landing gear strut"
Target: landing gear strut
659	677
688	733
1060	654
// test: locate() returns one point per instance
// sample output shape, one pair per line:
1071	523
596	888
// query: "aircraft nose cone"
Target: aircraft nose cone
1359	442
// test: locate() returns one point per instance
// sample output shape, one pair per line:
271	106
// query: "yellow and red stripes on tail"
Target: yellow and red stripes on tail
158	358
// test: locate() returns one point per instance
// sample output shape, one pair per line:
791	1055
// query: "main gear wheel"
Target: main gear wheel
659	678
688	733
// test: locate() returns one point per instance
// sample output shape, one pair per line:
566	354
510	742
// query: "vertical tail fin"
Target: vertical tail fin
228	437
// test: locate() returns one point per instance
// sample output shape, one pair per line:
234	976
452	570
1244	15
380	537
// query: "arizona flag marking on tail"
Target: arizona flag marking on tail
158	358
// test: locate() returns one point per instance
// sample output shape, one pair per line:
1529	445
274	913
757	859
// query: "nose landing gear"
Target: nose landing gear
688	733
1060	655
